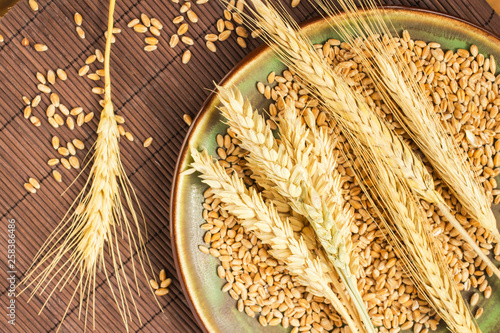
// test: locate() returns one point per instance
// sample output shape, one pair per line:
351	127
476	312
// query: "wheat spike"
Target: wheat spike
403	96
77	244
352	112
406	226
358	122
308	181
262	219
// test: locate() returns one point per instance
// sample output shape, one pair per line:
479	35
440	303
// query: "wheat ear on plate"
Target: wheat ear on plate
404	97
352	112
262	219
303	171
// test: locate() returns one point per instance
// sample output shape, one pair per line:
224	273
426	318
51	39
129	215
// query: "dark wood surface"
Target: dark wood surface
153	91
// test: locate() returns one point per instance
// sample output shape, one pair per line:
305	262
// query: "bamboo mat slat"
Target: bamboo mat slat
153	91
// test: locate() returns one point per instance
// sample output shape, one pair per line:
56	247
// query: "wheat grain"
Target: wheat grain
62	74
187	40
80	32
154	31
211	46
35	121
29	188
84	70
192	16
53	161
27	112
54	99
224	35
148	142
58	119
34	183
156	23
55	142
185	7
99	55
150	48
78	18
33	5
43	88
187	119
36	101
178	19
174	40
151	40
64	110
41	47
186	56
183	28
57	176
73	160
53	123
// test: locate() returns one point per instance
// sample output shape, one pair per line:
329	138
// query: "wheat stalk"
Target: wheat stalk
363	126
77	244
413	110
263	220
308	181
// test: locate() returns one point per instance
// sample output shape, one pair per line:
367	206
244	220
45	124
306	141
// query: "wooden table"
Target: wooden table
153	91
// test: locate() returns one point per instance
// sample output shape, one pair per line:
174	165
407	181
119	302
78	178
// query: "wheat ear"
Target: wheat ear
310	185
406	226
359	123
352	112
79	240
262	219
412	109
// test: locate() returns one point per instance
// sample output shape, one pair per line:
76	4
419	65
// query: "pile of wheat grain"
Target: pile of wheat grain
460	84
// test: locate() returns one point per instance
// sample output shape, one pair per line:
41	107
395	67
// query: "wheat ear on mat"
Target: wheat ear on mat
263	219
403	96
311	186
352	112
362	126
74	253
307	180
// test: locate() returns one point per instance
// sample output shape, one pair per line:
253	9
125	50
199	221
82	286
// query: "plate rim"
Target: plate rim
210	99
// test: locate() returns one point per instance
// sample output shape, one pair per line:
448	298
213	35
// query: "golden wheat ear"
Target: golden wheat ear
74	253
370	37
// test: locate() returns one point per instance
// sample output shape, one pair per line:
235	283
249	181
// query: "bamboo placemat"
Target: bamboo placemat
153	91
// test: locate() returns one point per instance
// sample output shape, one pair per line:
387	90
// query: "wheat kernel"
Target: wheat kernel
148	142
78	18
29	188
41	47
186	57
57	176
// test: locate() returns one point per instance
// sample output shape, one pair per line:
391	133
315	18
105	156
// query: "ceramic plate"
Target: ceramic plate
214	310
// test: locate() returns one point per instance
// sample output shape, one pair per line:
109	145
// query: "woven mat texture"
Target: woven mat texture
152	91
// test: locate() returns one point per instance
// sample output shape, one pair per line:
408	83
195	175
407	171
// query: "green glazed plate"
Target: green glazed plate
214	310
